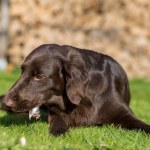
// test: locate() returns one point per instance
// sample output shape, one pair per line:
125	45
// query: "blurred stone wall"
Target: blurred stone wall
120	28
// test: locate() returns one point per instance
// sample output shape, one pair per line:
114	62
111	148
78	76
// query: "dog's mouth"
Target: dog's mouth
20	110
12	110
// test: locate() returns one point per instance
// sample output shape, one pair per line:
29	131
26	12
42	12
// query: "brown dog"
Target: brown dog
79	88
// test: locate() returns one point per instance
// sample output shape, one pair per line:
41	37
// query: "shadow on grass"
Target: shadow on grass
20	119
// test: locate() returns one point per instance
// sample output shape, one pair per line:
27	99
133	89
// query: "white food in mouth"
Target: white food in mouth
34	113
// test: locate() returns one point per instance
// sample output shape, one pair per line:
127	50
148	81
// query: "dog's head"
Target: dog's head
48	73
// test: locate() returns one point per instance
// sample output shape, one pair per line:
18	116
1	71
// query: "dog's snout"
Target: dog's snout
9	103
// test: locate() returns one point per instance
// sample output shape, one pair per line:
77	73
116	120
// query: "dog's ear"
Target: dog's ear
76	77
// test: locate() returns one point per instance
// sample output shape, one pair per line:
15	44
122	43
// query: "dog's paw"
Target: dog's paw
58	126
56	131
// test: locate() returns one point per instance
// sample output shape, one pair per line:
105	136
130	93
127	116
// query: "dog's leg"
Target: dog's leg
127	120
57	124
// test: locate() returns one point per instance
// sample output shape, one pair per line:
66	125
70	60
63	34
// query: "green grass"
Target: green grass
13	127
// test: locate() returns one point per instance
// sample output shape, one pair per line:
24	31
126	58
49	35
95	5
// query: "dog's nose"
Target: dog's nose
9	101
7	104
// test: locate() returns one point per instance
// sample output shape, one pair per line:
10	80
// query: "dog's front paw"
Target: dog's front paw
58	126
56	131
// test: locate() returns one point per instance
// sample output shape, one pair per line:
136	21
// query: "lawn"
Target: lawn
14	127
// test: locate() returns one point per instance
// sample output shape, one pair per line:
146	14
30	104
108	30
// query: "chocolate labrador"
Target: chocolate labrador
79	88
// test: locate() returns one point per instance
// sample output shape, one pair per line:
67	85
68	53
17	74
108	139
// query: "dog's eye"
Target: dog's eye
38	77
